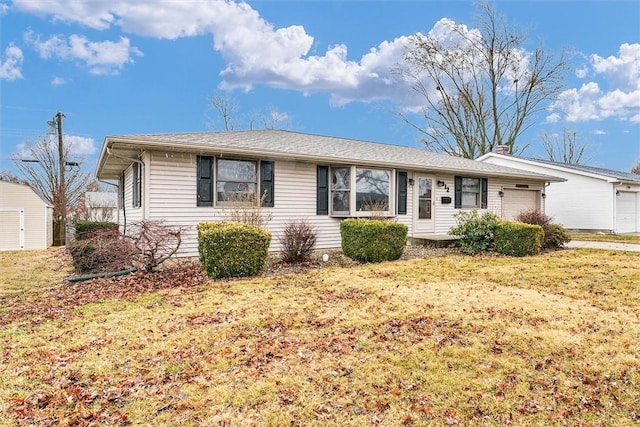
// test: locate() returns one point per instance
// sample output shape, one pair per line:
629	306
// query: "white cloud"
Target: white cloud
258	53
599	132
106	57
615	94
80	146
58	81
255	51
582	72
10	63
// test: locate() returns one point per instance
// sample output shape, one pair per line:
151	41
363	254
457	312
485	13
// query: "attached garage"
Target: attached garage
26	220
515	201
590	199
626	212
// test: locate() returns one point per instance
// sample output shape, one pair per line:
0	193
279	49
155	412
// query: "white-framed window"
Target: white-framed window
236	181
471	192
372	190
340	190
359	191
223	181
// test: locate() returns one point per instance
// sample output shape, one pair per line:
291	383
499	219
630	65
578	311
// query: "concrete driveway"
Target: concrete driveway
603	245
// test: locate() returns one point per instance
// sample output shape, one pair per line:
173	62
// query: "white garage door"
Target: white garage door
11	230
516	201
626	212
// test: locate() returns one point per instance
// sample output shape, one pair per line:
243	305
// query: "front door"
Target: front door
424	204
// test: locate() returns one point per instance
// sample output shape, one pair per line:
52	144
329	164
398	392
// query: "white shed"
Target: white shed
591	199
26	220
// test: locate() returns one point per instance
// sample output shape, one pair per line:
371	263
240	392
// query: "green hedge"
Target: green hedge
231	249
518	238
84	229
368	240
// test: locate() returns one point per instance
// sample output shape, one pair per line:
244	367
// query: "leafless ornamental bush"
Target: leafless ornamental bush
297	242
247	209
154	242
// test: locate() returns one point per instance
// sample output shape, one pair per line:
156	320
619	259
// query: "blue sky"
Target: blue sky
116	67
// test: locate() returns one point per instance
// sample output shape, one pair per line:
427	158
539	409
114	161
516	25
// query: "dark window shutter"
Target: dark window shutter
401	182
205	180
458	191
266	183
485	190
121	190
322	194
137	185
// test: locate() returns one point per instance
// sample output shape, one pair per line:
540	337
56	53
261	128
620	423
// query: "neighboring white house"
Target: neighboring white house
26	220
591	199
101	206
190	178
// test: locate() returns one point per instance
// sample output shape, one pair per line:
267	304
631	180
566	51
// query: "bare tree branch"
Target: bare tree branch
569	151
480	88
39	165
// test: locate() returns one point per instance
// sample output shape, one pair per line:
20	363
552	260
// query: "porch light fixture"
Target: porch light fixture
501	193
440	183
411	181
544	195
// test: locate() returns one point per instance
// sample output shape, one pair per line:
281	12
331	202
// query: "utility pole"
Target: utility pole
62	191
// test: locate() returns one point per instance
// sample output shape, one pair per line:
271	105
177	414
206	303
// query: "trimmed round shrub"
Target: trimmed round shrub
368	240
517	238
231	249
555	236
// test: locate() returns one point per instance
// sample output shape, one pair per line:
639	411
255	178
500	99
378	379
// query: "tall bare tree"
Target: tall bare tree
481	88
226	108
228	116
636	168
40	166
569	150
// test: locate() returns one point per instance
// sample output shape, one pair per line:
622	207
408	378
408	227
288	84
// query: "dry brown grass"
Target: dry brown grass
546	340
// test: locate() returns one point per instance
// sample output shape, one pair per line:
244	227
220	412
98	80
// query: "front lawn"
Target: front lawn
447	340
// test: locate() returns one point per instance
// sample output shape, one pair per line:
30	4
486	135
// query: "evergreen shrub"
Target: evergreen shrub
518	239
369	240
232	249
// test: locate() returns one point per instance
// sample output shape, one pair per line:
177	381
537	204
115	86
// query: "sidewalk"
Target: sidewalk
604	245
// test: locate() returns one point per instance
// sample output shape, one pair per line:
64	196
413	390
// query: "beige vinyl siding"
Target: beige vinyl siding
172	196
445	214
37	232
132	214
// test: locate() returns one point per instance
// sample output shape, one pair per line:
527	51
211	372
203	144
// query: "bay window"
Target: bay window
354	191
372	190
